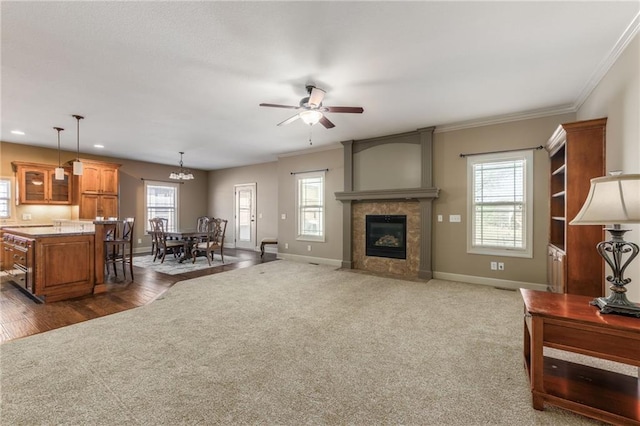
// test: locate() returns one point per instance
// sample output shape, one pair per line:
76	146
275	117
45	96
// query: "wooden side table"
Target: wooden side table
567	322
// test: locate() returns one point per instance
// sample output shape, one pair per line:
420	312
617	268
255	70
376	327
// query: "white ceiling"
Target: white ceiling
155	78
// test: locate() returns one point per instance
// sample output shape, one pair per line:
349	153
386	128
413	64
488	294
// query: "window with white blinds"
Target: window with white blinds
5	198
161	200
310	206
500	204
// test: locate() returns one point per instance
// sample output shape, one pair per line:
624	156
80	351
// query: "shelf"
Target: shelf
559	170
559	218
592	388
558	194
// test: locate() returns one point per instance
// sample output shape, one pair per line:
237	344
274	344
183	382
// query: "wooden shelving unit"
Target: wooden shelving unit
576	154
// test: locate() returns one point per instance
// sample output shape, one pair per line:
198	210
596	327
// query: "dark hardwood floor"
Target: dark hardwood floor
21	316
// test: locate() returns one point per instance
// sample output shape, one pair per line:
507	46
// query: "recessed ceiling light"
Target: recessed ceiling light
98	146
18	132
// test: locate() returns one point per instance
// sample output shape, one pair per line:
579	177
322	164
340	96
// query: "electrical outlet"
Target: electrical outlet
494	266
139	240
259	215
500	266
286	245
283	216
26	216
309	247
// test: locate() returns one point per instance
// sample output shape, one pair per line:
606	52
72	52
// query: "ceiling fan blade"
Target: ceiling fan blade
354	110
315	97
289	120
280	106
326	123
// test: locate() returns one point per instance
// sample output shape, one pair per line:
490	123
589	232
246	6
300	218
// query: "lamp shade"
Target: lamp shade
59	173
611	200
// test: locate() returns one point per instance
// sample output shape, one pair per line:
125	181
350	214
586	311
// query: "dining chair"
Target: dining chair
162	243
216	229
154	240
118	247
201	226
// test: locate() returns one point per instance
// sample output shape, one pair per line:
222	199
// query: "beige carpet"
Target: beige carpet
284	343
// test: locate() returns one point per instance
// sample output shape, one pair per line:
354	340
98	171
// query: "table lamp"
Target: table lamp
613	200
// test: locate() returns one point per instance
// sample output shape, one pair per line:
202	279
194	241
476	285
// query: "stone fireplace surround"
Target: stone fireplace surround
416	203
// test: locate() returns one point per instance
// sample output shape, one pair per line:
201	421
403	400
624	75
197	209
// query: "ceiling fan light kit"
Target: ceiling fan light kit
313	111
311	116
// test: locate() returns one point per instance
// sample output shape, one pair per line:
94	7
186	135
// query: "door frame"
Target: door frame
252	244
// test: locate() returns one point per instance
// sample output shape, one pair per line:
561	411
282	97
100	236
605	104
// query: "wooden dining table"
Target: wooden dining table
189	236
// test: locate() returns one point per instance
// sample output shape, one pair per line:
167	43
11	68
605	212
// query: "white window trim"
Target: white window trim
146	209
305	237
527	252
9	205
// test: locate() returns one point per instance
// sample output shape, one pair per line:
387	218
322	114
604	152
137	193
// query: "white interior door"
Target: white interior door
245	216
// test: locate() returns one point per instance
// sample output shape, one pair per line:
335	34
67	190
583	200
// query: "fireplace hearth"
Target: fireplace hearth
386	236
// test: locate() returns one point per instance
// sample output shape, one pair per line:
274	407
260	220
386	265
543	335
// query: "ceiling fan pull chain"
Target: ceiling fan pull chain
310	128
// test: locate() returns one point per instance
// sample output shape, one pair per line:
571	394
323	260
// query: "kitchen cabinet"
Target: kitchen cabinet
577	154
99	178
96	190
92	205
40	262
37	184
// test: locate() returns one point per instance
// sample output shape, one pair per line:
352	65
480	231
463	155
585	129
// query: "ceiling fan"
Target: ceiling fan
313	110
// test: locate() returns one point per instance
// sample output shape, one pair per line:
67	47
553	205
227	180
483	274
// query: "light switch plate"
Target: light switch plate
455	218
439	218
283	216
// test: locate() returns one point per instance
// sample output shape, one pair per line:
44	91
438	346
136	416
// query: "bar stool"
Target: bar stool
118	247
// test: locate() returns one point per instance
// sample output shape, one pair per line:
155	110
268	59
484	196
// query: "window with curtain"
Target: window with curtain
161	200
500	204
310	206
5	198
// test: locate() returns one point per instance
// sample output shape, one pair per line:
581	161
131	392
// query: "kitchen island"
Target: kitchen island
51	262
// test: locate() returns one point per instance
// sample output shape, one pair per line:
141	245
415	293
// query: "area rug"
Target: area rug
284	343
171	265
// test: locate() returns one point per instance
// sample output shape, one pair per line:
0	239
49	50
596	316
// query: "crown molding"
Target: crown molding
606	64
506	118
621	44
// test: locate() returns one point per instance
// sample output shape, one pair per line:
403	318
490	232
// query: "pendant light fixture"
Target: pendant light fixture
59	170
182	174
77	165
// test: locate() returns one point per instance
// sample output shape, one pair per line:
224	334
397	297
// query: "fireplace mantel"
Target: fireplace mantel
388	194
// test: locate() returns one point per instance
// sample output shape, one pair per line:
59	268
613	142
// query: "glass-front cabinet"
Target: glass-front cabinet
37	184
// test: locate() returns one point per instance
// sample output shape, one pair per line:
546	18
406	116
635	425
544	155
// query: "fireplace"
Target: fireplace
386	236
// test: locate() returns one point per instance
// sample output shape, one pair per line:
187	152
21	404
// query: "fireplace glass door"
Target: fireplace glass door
386	236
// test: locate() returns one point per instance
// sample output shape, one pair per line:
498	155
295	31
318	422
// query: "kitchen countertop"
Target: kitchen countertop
47	231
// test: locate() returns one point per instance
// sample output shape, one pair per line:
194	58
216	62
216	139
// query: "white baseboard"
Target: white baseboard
308	259
493	282
140	249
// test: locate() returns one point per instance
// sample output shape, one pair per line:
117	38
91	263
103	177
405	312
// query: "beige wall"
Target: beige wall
221	197
617	97
193	194
450	175
331	249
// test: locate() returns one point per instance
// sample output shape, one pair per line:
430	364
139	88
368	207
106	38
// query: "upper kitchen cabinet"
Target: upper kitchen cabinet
96	190
98	178
37	184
